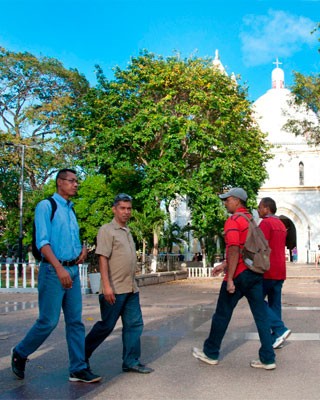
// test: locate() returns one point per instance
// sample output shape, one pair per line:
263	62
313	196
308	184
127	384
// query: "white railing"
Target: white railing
10	280
199	272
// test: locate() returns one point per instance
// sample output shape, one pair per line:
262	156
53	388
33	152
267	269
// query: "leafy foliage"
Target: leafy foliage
306	91
183	126
35	94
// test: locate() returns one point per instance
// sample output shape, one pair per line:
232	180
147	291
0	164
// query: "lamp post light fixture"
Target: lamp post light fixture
20	243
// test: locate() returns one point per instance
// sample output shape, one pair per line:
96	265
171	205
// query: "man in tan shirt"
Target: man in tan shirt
119	295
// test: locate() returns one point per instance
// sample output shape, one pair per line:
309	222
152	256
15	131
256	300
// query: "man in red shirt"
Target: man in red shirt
239	281
275	232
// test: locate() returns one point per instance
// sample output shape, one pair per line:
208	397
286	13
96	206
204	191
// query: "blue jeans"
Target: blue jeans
272	290
248	284
127	306
52	297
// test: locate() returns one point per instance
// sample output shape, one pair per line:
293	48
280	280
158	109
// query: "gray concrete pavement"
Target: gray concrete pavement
177	317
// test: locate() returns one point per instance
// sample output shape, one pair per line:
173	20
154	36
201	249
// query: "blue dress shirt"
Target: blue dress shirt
62	233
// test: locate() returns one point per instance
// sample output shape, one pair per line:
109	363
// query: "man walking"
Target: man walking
239	281
58	281
275	232
119	295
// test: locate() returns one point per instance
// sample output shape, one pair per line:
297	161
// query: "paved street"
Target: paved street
177	317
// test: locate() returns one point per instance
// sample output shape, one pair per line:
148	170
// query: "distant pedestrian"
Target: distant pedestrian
294	253
119	296
317	255
239	281
58	281
9	259
275	232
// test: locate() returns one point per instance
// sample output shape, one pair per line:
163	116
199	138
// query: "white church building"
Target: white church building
294	171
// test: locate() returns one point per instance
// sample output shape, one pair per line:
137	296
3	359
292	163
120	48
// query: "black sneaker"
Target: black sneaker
85	375
88	364
18	364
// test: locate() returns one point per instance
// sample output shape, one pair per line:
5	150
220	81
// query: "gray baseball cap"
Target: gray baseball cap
235	192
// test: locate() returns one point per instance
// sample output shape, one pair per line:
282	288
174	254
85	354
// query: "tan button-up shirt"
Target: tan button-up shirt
116	243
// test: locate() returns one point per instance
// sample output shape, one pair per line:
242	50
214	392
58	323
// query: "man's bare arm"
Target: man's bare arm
104	272
233	258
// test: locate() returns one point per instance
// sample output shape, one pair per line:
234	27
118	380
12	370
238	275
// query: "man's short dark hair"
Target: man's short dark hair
121	197
269	203
63	173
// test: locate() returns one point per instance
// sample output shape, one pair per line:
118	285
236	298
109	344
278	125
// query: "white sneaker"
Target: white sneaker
259	364
197	353
286	334
278	343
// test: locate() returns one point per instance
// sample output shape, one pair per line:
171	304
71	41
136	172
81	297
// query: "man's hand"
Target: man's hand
230	286
64	278
83	255
218	269
109	295
62	273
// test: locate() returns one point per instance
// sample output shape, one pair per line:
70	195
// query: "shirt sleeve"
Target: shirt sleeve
232	233
43	223
104	242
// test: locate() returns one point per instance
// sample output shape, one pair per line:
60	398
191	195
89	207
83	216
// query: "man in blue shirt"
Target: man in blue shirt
58	281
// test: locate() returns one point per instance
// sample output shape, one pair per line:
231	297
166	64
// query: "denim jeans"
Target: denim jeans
127	306
52	297
272	290
248	284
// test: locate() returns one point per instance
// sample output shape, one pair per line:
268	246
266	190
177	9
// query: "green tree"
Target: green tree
185	127
35	94
93	206
306	91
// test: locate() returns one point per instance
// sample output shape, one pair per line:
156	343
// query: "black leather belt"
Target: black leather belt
64	263
68	263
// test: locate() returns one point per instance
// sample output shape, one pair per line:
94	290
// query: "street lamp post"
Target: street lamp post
20	243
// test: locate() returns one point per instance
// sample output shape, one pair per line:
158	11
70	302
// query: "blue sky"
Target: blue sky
249	34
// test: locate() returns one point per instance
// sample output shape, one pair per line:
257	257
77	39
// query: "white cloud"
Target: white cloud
277	34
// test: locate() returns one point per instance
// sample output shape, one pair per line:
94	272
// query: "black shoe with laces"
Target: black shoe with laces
18	364
85	375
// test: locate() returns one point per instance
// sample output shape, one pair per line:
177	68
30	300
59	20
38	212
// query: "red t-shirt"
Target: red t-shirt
275	232
235	231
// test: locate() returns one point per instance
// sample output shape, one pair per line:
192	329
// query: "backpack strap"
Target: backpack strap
53	206
245	216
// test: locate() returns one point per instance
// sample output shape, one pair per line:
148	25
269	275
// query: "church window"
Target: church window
301	173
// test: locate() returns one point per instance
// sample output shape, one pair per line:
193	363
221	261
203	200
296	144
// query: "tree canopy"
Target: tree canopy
306	91
183	126
35	94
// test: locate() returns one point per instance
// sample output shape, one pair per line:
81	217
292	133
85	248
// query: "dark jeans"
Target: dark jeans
272	290
248	284
127	306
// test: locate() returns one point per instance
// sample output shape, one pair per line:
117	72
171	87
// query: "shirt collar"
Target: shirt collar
62	201
117	226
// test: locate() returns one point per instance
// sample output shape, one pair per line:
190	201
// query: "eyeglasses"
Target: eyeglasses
122	197
70	180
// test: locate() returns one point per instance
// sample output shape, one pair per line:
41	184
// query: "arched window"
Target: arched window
301	173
